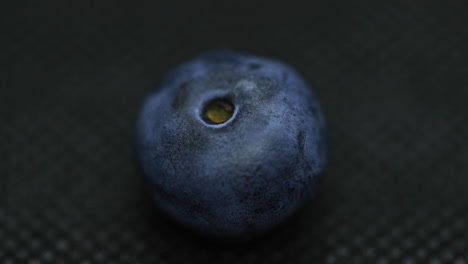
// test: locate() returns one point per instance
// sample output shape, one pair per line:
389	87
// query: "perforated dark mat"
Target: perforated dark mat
391	77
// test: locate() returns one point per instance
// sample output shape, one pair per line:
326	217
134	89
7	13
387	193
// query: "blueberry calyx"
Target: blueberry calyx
217	111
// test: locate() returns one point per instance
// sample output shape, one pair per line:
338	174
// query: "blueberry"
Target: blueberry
232	144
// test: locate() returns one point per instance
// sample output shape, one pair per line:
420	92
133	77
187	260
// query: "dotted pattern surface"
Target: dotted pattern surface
391	77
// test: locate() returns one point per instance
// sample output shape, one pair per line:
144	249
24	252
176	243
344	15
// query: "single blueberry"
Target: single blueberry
232	144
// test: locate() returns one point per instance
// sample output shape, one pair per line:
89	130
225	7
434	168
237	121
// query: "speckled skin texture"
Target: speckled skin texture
243	177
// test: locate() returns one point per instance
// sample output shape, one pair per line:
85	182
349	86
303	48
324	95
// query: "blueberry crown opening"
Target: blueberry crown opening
217	111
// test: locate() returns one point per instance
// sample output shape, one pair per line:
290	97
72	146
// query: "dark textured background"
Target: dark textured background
391	76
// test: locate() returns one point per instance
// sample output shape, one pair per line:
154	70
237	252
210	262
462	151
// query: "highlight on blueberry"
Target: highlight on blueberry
231	144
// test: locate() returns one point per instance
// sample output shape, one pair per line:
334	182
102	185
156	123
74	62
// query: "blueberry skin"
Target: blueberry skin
240	178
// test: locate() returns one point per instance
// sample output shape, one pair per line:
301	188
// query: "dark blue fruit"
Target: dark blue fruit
232	144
